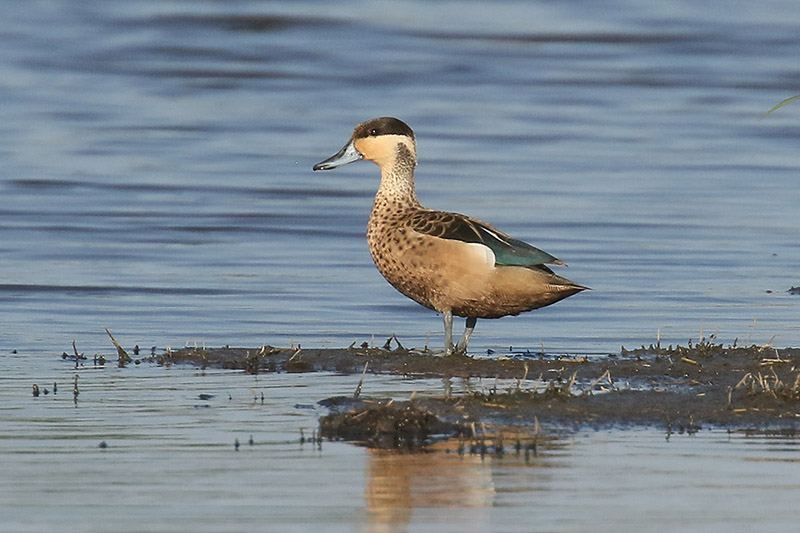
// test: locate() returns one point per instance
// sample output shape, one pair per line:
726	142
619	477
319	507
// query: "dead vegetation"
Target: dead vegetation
769	385
704	349
410	427
684	386
389	425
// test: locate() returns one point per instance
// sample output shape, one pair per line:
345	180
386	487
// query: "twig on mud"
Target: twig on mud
766	361
388	344
122	355
360	381
769	385
769	342
295	354
538	383
741	382
523	378
75	349
565	390
570	383
606	375
265	350
581	360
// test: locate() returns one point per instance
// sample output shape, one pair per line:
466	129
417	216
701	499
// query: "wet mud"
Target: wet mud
680	389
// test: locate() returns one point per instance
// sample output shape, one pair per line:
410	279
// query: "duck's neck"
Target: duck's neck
397	180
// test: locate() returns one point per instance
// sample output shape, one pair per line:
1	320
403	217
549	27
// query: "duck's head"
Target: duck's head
386	141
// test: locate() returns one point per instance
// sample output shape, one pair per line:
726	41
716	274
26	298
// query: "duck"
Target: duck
451	263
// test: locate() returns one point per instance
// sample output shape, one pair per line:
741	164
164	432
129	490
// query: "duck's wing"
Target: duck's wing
507	250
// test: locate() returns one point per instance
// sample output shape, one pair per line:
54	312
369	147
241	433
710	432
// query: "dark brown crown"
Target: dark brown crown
382	126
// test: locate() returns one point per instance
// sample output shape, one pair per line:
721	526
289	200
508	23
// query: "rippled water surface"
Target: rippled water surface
156	180
170	464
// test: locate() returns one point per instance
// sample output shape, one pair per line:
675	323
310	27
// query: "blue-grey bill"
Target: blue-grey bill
346	155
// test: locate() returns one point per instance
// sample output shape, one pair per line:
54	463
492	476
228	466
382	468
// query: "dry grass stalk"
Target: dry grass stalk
360	381
122	356
771	385
606	375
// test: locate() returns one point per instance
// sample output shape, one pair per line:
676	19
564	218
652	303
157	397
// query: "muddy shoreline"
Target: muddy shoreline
683	388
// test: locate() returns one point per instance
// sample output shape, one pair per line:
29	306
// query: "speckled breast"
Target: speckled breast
399	257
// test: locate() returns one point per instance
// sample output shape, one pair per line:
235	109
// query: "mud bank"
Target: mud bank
679	388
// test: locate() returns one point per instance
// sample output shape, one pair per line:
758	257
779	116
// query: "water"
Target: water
170	465
156	181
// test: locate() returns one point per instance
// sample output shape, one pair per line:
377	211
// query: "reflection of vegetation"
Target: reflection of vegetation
781	104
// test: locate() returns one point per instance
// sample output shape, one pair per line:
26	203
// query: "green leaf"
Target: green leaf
783	103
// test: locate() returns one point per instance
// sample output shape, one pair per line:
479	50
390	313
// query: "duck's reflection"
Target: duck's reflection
402	484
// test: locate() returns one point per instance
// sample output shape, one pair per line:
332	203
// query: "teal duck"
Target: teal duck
448	262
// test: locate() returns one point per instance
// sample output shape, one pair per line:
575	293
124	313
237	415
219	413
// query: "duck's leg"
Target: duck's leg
447	316
461	347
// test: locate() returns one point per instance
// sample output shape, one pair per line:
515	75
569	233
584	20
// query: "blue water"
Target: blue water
170	464
156	169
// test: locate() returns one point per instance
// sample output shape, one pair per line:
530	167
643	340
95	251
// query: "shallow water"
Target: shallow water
157	181
170	464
